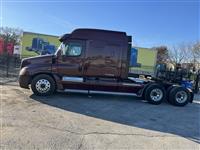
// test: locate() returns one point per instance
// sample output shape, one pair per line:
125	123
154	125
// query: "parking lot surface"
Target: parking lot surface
79	121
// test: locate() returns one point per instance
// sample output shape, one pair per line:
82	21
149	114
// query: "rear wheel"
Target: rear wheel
168	92
179	96
155	94
43	85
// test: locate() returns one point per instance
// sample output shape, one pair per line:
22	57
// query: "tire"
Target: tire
43	85
155	94
179	96
168	92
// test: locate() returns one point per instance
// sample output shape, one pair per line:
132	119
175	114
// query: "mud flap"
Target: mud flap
191	94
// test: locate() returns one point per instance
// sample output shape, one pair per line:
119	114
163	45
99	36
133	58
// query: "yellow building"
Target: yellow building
143	60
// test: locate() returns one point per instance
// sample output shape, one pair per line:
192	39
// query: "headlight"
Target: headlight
23	71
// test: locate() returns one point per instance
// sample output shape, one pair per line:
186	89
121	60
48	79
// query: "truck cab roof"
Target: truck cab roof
97	34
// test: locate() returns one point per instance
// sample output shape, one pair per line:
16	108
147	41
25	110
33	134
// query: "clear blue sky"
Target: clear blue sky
150	23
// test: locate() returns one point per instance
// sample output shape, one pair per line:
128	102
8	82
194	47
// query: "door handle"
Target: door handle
85	66
80	68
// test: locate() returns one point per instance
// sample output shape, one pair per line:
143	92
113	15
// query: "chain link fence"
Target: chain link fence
9	65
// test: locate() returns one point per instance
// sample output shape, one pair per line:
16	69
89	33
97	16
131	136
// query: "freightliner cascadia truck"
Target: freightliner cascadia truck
96	60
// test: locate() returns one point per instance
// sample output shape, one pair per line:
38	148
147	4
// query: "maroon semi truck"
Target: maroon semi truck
95	60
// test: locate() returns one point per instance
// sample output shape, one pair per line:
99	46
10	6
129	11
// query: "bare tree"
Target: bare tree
162	54
195	51
9	35
185	53
179	54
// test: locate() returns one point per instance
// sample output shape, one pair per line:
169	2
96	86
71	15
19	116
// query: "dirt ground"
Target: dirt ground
76	121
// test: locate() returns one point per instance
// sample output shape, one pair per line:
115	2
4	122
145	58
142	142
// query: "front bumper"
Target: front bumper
24	78
24	81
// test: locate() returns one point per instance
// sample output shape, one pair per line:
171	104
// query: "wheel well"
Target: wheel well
191	94
144	89
147	85
33	76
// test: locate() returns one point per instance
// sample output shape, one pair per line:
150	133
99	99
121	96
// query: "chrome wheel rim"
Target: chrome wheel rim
156	95
181	96
42	85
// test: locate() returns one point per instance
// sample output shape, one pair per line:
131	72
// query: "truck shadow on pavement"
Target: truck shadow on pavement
131	111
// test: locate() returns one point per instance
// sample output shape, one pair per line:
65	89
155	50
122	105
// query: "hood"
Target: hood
45	59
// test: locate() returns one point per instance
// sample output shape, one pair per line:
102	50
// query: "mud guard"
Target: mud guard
191	94
58	82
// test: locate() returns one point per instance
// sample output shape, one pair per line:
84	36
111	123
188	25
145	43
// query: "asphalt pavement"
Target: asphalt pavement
99	121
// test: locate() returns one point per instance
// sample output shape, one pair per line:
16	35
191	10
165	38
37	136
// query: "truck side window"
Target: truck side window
72	49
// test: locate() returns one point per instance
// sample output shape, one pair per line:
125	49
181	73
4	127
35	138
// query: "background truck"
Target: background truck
98	60
41	46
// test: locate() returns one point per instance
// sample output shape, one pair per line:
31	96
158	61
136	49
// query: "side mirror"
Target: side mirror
59	53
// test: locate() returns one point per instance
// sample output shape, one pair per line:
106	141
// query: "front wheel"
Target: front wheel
43	85
155	94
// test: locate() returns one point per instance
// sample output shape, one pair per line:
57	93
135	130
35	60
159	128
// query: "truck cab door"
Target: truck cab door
102	59
70	63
